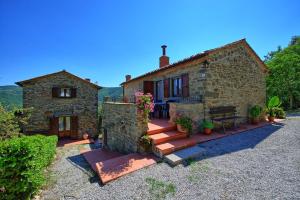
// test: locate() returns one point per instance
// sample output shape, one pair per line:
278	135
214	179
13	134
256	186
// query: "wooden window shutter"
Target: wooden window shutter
167	88
74	126
73	92
185	85
55	92
53	127
149	87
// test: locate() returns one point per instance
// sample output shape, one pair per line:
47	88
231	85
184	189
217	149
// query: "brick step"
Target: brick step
158	126
161	130
167	136
114	168
184	154
172	146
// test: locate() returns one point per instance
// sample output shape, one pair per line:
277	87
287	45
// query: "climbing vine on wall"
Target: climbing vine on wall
144	104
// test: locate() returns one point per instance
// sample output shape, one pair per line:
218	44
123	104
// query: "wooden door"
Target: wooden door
53	127
64	126
149	87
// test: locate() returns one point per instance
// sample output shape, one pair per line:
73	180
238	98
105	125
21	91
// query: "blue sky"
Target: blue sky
105	40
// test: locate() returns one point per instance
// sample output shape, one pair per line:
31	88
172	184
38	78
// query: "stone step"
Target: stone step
172	146
167	136
184	154
114	168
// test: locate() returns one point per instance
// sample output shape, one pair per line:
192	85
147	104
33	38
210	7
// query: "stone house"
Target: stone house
231	75
63	104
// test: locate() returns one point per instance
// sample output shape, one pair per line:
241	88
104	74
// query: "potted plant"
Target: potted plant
85	136
272	105
255	112
207	127
145	143
184	124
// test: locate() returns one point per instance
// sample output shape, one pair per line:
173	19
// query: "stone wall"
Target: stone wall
124	126
192	110
38	94
234	78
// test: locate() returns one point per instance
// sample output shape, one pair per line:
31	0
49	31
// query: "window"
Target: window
65	92
64	123
176	87
159	91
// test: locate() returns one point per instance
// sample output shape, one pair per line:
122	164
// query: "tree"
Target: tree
12	122
284	74
271	54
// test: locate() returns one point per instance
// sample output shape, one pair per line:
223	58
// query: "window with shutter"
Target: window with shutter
73	92
55	92
167	88
185	85
177	87
149	87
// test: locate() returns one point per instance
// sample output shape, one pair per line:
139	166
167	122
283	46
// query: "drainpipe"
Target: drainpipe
205	64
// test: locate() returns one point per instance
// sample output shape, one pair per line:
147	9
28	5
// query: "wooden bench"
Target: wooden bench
223	113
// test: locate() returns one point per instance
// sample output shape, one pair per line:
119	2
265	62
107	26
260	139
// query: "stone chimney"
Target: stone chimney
163	60
88	79
128	77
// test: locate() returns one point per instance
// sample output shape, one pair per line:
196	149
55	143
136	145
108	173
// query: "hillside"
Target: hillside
11	95
110	91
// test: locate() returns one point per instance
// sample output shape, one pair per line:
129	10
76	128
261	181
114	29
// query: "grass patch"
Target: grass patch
159	189
196	169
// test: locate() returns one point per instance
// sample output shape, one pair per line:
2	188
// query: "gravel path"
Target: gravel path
260	164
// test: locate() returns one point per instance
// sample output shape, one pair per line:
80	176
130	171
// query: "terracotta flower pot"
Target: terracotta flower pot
255	120
207	131
181	129
85	136
271	118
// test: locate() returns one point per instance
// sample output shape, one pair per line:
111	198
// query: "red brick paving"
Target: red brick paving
64	142
174	145
98	155
112	169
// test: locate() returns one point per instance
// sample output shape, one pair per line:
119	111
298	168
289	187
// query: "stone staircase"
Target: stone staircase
172	145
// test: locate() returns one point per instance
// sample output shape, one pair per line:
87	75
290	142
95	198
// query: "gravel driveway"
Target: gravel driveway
260	164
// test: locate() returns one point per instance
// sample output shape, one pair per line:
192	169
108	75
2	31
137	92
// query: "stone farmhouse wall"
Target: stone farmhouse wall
124	126
192	110
234	78
38	95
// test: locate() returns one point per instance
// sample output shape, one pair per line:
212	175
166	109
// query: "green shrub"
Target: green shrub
185	122
273	104
22	164
206	124
279	113
145	142
255	111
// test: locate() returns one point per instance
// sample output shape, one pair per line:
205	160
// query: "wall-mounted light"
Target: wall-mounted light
203	70
205	63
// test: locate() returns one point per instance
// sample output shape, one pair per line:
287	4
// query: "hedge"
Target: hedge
22	165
